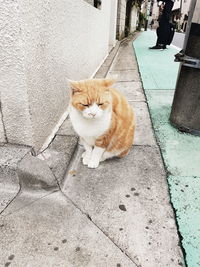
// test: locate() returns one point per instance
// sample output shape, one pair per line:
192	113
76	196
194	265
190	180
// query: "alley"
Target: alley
116	215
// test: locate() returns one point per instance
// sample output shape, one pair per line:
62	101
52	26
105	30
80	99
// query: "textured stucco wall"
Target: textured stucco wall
13	88
47	42
2	132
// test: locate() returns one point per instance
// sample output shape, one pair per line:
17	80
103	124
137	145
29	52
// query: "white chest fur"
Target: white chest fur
90	129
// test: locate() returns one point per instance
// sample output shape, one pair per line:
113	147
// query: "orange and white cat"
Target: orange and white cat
103	119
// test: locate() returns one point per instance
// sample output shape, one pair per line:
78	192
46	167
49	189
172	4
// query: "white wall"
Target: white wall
44	42
2	133
121	17
13	85
133	19
113	23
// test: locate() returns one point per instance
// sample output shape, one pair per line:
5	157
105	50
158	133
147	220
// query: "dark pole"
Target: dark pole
185	114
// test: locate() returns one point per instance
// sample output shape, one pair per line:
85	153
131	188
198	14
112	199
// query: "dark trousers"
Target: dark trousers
165	30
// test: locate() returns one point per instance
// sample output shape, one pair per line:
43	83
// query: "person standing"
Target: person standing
165	31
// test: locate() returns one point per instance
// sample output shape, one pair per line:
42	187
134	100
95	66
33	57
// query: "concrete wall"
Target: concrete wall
2	132
91	2
113	23
43	43
133	19
121	17
13	85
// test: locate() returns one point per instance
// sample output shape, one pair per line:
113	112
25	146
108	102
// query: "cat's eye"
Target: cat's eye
100	104
85	105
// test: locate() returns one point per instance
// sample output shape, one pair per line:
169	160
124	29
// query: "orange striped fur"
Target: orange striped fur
118	138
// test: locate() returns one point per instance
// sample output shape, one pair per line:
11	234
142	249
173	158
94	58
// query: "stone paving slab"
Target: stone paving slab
25	198
124	59
123	64
128	199
143	131
124	75
6	197
10	156
59	153
66	128
35	174
52	232
132	90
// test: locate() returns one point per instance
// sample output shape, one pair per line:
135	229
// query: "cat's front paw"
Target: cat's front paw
86	156
93	163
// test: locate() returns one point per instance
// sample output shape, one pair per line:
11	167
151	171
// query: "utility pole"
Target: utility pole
185	114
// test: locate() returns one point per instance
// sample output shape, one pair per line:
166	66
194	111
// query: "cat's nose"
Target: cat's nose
92	114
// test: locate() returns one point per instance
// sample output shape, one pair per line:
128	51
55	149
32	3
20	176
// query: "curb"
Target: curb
21	170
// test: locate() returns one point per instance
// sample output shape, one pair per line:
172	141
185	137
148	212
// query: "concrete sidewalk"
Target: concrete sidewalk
181	152
117	215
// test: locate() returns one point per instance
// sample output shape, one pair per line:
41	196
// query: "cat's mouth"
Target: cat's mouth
90	118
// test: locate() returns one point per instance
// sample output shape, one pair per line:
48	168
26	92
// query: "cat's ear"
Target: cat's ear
108	82
75	87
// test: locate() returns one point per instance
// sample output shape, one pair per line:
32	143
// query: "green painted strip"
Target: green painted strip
185	198
154	64
181	152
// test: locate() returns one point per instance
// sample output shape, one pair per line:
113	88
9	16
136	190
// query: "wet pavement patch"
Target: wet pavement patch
11	257
78	249
122	207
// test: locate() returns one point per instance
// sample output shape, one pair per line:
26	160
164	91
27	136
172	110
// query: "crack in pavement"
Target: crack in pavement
105	234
